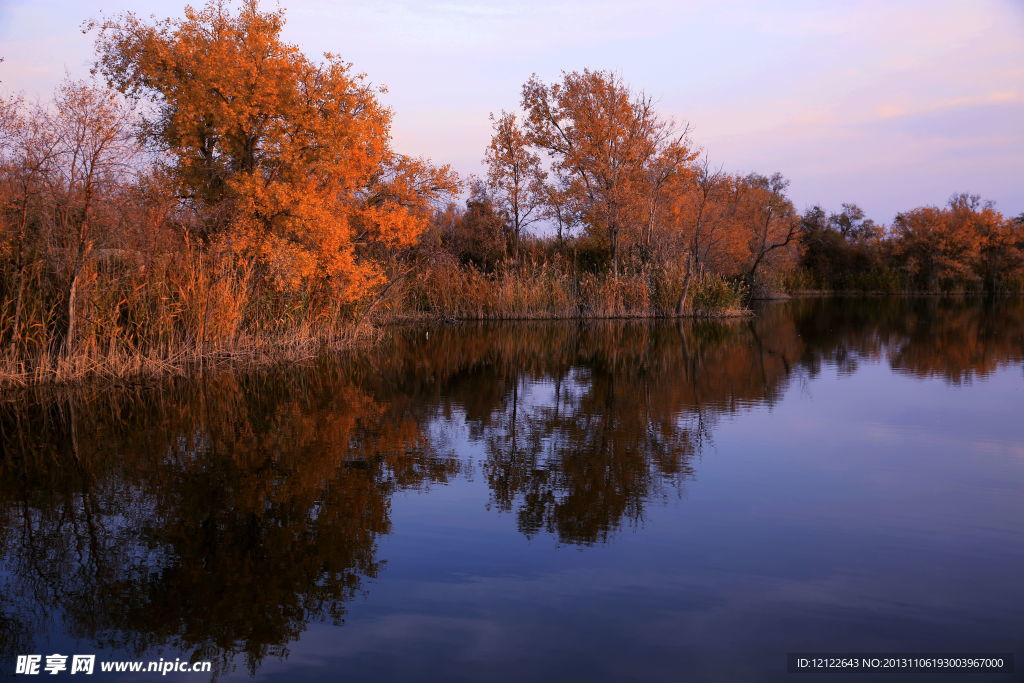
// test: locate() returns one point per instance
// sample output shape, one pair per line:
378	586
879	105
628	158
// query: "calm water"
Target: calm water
602	501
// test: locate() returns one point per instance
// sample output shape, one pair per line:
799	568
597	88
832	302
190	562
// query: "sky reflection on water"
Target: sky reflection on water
600	501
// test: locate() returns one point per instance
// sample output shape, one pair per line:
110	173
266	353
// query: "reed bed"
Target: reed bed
547	291
175	312
160	316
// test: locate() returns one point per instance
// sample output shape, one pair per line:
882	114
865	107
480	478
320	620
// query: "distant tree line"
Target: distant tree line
964	246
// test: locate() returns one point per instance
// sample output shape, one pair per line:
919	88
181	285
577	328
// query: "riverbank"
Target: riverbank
119	366
453	296
882	293
303	343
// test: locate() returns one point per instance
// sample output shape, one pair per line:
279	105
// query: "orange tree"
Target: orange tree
966	242
769	220
515	177
608	149
283	164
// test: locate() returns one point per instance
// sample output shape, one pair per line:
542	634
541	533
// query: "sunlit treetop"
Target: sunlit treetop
286	160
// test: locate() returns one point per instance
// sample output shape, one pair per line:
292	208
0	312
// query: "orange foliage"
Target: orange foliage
275	211
966	239
286	161
609	148
515	177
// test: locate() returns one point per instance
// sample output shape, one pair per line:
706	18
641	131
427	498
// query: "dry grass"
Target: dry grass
544	291
55	368
163	316
181	312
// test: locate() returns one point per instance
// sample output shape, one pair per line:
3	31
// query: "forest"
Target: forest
213	193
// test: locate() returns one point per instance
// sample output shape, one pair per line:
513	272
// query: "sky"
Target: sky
889	104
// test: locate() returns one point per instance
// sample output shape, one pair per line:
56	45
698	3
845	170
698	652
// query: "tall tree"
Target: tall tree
286	161
771	220
28	147
666	173
92	128
852	224
602	138
693	212
515	177
61	169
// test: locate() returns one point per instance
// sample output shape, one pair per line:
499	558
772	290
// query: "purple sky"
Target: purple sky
890	104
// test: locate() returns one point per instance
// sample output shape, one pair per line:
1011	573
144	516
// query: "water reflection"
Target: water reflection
217	521
955	339
220	518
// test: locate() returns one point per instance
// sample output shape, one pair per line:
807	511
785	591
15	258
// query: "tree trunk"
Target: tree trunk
613	238
69	336
16	325
681	304
80	257
752	276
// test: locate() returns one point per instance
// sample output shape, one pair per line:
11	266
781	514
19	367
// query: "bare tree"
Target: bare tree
515	177
94	148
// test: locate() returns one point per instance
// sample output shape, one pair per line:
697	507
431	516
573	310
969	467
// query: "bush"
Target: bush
714	295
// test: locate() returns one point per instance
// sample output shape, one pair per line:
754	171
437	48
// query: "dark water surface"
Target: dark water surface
596	501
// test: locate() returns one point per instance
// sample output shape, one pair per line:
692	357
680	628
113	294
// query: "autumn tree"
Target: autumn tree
932	250
285	161
692	210
999	258
27	149
561	208
710	212
965	240
770	221
515	177
93	156
472	233
63	169
602	140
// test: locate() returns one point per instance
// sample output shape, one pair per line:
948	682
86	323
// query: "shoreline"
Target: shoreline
412	318
114	370
134	370
822	293
126	370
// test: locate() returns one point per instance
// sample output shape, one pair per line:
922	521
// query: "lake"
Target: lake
556	500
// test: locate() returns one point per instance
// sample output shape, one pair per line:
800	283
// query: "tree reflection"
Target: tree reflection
956	339
221	517
580	446
218	522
